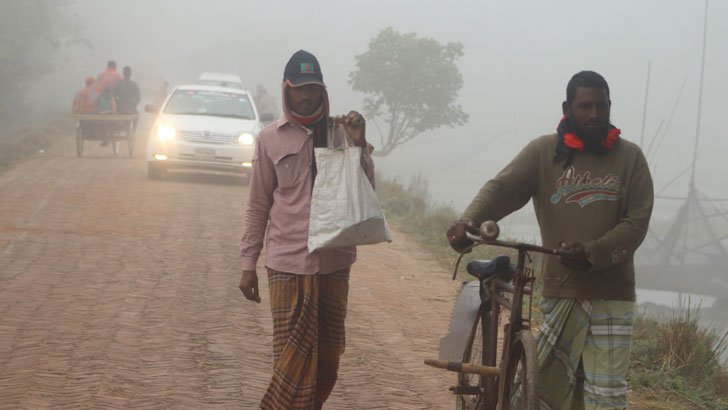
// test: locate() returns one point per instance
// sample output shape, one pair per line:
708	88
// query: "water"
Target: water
674	300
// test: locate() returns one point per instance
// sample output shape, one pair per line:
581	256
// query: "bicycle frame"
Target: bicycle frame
522	285
496	383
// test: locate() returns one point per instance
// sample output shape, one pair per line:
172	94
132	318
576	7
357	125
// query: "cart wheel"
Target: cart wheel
79	140
115	147
130	138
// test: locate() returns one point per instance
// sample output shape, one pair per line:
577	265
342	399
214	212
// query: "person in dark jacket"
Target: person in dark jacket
127	95
592	193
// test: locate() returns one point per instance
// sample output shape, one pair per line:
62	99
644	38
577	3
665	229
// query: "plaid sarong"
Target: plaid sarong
308	337
583	353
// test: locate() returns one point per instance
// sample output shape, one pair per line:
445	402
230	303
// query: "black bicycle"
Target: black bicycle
494	371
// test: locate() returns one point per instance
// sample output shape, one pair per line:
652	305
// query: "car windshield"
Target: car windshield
214	103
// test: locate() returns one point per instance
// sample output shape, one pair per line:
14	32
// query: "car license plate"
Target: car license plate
205	154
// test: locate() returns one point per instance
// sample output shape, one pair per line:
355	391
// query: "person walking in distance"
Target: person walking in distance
266	104
592	193
161	94
308	291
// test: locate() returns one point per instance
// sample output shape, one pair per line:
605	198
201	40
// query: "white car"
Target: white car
221	80
203	127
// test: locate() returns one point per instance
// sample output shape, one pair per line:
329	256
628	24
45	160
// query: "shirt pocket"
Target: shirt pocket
290	170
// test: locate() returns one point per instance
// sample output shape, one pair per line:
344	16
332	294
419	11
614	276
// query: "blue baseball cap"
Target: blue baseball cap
303	68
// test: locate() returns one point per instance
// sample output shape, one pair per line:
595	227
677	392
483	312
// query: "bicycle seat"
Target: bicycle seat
487	269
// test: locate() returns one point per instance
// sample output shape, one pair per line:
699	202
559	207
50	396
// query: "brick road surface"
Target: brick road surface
121	292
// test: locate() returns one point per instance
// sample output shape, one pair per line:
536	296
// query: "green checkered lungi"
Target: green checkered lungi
583	353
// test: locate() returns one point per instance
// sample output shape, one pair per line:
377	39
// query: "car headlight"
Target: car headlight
166	133
246	138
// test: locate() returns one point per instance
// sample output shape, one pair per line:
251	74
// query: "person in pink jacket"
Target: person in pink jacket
308	291
109	77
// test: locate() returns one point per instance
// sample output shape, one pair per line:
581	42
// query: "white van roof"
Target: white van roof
224	79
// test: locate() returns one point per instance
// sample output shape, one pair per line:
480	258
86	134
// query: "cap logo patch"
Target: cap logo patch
307	68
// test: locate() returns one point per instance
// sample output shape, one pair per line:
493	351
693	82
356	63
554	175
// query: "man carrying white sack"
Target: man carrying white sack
308	291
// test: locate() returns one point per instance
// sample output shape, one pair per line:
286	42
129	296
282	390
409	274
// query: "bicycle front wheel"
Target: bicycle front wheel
520	388
471	385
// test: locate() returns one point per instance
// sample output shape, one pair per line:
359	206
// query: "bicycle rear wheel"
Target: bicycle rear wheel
474	354
520	389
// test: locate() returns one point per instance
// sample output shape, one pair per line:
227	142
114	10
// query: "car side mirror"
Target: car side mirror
151	109
267	117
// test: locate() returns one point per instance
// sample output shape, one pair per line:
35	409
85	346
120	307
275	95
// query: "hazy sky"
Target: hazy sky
519	55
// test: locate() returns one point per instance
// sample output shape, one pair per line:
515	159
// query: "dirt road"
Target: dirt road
121	292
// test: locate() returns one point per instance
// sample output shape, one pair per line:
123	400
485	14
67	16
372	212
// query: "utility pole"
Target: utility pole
644	110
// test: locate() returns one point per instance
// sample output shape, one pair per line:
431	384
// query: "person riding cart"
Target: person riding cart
127	95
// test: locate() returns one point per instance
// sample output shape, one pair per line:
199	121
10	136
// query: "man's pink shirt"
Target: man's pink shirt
279	202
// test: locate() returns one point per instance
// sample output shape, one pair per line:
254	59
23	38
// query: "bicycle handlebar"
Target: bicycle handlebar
488	235
478	240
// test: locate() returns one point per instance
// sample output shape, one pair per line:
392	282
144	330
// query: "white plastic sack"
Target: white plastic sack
345	210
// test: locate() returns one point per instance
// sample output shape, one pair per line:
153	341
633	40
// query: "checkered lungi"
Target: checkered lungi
308	337
583	353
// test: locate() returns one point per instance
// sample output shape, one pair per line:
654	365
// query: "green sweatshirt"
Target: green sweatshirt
603	201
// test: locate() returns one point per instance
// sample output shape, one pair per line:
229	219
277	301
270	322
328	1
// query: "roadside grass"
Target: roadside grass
29	141
410	209
674	364
679	363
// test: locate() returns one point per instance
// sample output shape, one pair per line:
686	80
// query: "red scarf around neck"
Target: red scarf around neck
573	141
307	120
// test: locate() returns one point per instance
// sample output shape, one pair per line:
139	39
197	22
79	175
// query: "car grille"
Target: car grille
205	137
191	156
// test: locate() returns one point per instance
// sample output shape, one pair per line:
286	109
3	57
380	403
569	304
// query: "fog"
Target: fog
518	58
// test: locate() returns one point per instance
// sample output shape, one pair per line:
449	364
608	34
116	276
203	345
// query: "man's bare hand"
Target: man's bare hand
576	259
355	127
249	285
457	237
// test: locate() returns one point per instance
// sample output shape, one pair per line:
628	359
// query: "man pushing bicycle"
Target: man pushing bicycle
592	193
